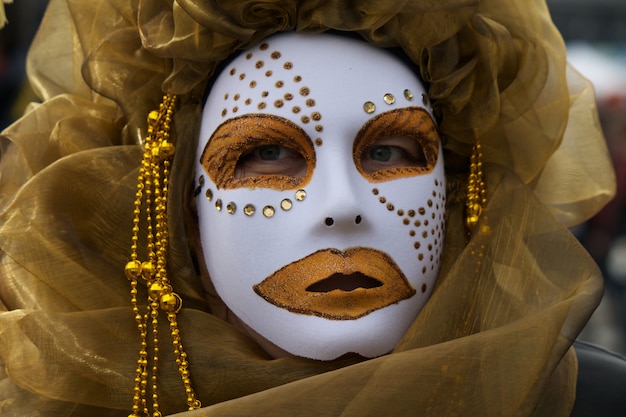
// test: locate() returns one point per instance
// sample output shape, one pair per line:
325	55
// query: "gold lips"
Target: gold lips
337	285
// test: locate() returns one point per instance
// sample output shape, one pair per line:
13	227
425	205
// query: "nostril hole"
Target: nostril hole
329	221
357	219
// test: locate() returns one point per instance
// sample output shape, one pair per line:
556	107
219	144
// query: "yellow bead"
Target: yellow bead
147	270
155	290
153	116
132	269
171	302
167	149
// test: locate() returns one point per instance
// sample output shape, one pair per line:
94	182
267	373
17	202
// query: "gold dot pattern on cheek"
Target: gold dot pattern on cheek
286	204
249	210
319	142
268	211
434	250
407	122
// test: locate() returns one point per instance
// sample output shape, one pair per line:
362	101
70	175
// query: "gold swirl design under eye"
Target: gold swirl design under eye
412	122
236	136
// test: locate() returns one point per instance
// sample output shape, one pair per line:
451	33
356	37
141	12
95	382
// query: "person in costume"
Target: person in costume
129	182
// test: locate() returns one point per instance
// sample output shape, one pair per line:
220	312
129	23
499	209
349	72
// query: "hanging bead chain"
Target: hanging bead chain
153	183
476	198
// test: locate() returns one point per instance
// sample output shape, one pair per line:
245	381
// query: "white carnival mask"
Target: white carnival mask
322	194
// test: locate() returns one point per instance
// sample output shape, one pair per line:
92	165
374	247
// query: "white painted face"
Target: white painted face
321	194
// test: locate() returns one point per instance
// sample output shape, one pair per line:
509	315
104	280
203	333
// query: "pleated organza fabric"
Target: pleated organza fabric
494	339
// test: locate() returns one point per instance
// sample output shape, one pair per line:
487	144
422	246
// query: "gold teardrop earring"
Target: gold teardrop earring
476	198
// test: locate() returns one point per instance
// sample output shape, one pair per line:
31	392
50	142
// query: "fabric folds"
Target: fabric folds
493	340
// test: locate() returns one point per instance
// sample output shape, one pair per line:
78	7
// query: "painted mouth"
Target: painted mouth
337	285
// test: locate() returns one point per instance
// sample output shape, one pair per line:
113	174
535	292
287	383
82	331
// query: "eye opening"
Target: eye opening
227	155
393	152
405	143
271	159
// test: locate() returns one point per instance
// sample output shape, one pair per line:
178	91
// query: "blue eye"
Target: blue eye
269	152
385	153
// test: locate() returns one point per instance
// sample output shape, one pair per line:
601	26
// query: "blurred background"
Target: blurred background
595	33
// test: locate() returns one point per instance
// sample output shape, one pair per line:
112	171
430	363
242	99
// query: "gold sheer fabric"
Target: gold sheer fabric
494	339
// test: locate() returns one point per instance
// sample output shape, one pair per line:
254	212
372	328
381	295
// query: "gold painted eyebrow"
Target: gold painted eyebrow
413	122
236	136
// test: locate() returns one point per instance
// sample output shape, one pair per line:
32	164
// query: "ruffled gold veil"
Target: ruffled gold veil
494	339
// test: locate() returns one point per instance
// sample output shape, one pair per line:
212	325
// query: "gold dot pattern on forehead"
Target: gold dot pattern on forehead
152	190
264	66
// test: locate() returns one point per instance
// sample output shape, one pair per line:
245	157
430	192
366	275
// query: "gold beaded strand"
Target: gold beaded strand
153	183
476	198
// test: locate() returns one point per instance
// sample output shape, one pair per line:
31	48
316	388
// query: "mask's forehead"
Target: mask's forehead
316	81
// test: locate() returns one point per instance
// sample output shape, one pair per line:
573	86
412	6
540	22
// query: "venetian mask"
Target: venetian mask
321	209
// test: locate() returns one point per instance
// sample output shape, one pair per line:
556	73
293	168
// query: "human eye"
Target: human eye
259	151
395	152
398	143
271	160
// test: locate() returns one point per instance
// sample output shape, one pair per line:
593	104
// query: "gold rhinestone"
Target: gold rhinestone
286	204
249	210
424	99
218	204
209	194
408	94
369	107
231	208
389	98
268	211
300	195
